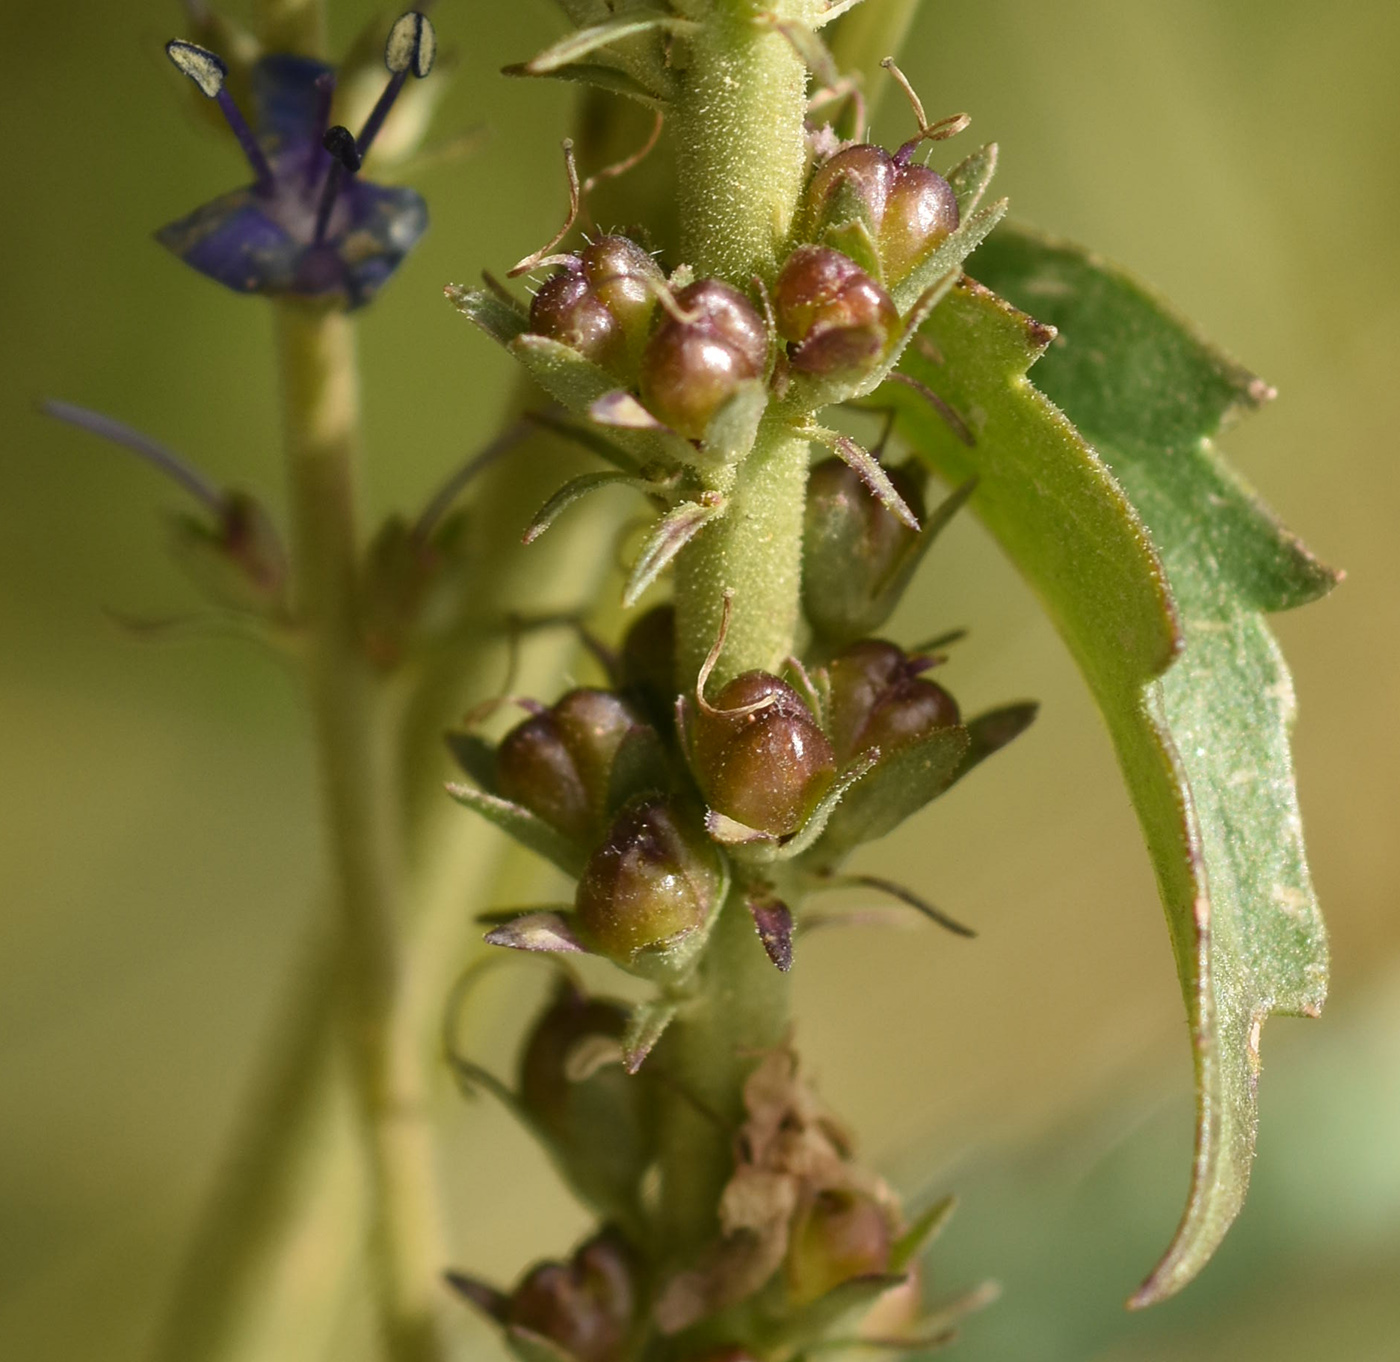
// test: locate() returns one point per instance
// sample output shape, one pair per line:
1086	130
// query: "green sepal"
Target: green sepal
569	378
734	427
532	1347
645	1027
949	254
899	783
854	240
915	1241
575	490
638	767
475	756
585	41
610	78
490	311
668	537
844	1303
527	828
971	178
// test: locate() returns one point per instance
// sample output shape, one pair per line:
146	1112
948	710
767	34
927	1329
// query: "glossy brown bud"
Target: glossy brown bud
602	1124
624	278
766	768
838	320
908	208
839	1235
878	699
654	880
567	310
854	550
557	764
690	368
586	1306
647	664
921	211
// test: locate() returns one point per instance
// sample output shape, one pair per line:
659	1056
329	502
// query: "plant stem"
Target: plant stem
316	351
291	25
741	170
740	152
755	550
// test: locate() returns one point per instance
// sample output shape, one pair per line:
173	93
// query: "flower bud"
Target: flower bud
878	699
839	1235
908	208
690	368
647	664
766	767
602	1123
600	303
654	881
838	320
854	548
586	1306
557	764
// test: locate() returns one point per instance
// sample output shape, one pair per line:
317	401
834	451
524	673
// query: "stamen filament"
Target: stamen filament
165	460
233	115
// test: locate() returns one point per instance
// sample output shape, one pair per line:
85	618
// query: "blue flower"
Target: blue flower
308	225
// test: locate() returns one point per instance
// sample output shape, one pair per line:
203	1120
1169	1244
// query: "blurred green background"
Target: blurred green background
158	850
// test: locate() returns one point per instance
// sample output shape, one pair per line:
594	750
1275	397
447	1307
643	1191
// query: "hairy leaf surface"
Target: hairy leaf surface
1184	563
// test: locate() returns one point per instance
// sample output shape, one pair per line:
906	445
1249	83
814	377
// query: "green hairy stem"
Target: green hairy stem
738	124
739	191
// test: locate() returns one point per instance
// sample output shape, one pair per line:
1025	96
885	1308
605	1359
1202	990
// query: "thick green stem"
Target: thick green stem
754	550
741	170
316	351
740	153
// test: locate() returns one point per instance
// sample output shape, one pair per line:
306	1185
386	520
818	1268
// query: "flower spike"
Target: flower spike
209	72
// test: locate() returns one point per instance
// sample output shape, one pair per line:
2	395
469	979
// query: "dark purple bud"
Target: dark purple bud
587	1306
838	320
690	368
567	310
647	663
854	548
655	881
759	755
600	1119
558	764
908	208
837	1236
879	699
601	303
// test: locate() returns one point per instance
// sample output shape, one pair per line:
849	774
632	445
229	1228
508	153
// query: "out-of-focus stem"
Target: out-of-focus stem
291	25
320	403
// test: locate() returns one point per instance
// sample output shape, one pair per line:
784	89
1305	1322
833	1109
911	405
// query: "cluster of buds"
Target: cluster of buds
760	790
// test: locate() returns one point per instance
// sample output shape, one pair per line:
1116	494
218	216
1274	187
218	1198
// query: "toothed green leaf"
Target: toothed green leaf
1117	542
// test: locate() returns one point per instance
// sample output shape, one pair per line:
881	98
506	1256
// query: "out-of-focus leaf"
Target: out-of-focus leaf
1202	741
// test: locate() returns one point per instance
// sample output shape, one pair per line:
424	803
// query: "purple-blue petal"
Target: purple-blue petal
286	102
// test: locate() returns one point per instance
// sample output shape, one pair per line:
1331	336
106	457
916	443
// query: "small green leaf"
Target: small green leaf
853	239
569	378
734	427
527	828
645	1026
475	756
608	78
1203	739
